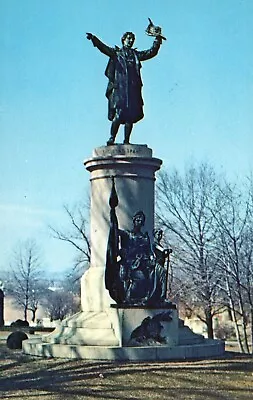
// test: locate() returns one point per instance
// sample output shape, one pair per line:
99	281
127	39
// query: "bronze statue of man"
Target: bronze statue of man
125	103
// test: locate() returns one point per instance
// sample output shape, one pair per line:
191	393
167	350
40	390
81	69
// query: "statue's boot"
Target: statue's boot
110	141
127	138
128	130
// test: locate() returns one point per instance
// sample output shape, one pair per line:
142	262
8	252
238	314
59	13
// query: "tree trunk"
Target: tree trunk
33	314
244	325
237	332
25	313
209	323
233	314
251	328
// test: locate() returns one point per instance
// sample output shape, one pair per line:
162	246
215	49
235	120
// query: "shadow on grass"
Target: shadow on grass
47	378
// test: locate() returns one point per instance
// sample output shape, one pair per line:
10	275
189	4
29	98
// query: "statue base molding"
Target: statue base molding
111	353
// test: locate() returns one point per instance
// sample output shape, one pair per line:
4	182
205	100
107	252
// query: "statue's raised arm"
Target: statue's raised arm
108	51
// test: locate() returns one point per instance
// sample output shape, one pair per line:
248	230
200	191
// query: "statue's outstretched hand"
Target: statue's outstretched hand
89	35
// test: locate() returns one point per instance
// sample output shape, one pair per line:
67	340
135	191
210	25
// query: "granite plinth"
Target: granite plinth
106	336
209	348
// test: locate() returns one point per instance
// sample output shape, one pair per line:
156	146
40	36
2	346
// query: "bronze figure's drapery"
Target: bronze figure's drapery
134	275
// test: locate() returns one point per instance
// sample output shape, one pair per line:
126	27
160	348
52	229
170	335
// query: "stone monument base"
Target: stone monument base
102	331
121	333
209	348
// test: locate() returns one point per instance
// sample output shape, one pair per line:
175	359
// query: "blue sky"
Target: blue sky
198	95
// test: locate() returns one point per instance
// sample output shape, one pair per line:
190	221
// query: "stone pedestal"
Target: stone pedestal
103	330
133	169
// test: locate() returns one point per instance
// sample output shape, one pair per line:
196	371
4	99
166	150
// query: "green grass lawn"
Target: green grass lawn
25	377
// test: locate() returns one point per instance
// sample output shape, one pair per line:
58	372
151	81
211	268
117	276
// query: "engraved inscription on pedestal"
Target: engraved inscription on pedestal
129	150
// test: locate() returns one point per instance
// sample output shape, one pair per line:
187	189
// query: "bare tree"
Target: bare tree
25	282
184	204
59	304
236	256
77	237
249	257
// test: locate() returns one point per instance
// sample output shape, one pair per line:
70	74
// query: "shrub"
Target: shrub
20	324
15	339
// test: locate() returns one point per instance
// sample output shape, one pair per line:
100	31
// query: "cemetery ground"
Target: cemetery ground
26	377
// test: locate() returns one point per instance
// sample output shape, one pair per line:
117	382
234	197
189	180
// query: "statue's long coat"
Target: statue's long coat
125	84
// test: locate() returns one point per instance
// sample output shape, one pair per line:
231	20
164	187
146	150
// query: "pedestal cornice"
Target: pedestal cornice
122	160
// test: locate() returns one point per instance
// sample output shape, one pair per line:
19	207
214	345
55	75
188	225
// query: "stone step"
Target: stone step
187	336
209	348
88	319
84	328
82	336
